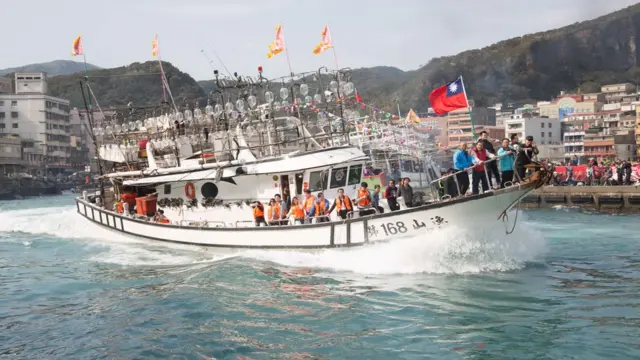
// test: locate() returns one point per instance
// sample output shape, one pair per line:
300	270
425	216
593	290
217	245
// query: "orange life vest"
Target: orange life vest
343	206
364	194
308	203
321	208
274	212
297	211
258	211
164	221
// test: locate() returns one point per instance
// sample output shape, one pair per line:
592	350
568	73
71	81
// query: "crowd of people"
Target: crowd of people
508	165
619	172
317	209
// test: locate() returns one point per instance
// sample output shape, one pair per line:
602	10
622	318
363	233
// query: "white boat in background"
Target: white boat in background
204	169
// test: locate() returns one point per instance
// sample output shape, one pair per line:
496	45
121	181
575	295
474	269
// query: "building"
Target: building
545	131
5	85
601	135
11	155
460	127
31	114
566	105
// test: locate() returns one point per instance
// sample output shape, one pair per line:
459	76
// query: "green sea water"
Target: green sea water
565	285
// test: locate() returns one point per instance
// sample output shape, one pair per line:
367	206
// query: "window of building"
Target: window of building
549	125
318	180
2	115
542	125
15	125
14	103
542	134
14	114
338	178
355	173
2	126
550	134
1	102
542	142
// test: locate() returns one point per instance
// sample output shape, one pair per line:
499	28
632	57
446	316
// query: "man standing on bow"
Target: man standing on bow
525	156
462	161
492	167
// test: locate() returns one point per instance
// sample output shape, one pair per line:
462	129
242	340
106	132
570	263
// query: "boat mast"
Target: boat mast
93	138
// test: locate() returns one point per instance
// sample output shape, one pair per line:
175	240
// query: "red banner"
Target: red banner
580	172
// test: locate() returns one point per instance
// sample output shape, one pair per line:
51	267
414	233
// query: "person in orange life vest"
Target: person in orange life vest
479	155
364	200
296	211
258	213
284	208
342	204
320	207
160	218
273	212
309	201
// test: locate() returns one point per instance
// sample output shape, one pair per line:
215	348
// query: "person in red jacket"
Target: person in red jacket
480	155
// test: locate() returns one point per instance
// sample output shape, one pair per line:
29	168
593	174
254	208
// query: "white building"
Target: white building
545	131
32	115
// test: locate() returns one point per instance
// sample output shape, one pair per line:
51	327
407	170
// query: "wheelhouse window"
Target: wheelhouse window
318	180
167	189
355	174
338	178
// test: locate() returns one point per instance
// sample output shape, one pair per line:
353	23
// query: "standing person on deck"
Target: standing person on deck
479	175
375	199
342	204
461	161
406	192
525	156
492	167
258	213
391	194
364	200
507	158
309	210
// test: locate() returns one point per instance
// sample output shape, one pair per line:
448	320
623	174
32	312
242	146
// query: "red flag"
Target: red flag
448	97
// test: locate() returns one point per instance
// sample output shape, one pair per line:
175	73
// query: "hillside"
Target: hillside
533	67
138	83
52	68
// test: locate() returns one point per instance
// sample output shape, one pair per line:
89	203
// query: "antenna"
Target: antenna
219	60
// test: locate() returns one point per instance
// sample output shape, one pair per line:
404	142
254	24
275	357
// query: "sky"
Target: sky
402	33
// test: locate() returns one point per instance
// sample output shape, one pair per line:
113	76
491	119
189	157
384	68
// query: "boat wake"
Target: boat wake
444	251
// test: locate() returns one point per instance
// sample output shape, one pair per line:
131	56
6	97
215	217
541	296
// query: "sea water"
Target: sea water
564	285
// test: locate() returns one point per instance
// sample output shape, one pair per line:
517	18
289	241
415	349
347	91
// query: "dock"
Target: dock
606	198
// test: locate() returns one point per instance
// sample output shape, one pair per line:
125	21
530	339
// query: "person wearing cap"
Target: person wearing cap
525	156
308	205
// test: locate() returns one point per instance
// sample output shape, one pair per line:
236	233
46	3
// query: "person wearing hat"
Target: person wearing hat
525	156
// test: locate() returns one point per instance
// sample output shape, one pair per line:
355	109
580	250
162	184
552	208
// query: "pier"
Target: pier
607	198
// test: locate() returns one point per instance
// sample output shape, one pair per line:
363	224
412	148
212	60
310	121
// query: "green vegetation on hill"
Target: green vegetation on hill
52	68
138	83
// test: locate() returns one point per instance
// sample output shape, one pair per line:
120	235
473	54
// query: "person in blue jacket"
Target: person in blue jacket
462	160
507	158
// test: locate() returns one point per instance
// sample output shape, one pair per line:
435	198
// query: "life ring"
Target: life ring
190	190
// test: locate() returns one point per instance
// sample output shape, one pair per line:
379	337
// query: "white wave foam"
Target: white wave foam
445	251
109	246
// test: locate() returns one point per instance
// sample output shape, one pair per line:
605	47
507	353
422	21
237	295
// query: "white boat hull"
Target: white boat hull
472	211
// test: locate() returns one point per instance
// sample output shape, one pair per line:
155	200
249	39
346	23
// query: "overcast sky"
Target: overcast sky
401	33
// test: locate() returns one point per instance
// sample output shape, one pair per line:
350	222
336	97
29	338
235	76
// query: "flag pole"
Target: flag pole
86	75
162	77
473	128
286	52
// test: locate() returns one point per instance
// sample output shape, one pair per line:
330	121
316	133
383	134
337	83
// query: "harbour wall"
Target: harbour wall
606	198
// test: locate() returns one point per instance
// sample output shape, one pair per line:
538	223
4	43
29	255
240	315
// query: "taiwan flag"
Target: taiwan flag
448	97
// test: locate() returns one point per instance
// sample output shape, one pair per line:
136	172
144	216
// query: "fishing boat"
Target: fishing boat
205	171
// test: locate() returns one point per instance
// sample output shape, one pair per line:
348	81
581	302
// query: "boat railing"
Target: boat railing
434	184
351	214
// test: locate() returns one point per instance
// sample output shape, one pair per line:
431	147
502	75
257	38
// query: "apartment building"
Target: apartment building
29	113
460	128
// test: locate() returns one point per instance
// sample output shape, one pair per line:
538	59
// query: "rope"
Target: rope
505	219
